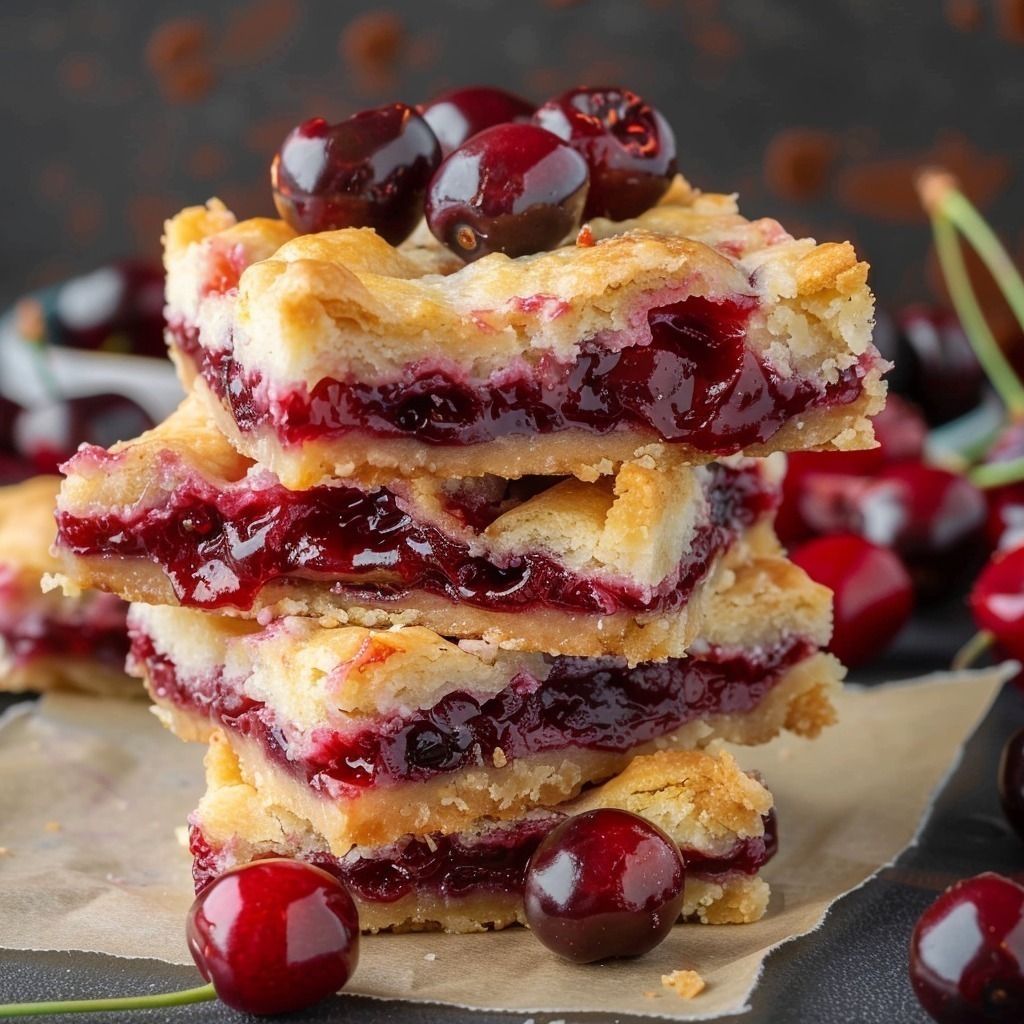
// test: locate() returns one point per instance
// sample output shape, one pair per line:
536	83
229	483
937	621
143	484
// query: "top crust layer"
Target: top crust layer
345	302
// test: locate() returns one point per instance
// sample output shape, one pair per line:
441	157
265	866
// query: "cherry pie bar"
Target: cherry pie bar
472	879
688	328
620	565
49	641
372	734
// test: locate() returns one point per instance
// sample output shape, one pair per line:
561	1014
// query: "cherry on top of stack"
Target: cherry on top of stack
574	304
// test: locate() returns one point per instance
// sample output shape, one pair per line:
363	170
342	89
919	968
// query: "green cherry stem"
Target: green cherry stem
997	474
935	189
192	995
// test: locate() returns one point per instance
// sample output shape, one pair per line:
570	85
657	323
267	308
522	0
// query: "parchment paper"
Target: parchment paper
92	791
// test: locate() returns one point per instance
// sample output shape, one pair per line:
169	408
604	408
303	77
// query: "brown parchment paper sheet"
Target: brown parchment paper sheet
92	791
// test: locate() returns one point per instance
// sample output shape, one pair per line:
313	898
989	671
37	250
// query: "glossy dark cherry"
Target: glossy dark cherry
629	147
934	364
900	430
274	936
49	434
585	703
932	518
874	595
694	382
117	308
1011	781
459	114
513	188
604	884
369	171
967	953
997	600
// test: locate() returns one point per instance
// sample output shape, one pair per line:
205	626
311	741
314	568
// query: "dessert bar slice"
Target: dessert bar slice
49	641
468	881
690	326
620	565
372	734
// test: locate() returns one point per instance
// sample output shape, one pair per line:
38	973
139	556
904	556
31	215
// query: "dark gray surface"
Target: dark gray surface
852	970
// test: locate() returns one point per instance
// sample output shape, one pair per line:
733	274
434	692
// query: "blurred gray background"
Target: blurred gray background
115	114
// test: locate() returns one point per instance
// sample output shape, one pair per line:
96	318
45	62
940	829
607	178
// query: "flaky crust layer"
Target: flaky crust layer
704	802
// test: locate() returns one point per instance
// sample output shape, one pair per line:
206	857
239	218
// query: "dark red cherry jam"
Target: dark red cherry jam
694	383
97	632
452	867
590	703
220	547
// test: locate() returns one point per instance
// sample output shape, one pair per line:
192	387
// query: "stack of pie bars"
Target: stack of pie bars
434	555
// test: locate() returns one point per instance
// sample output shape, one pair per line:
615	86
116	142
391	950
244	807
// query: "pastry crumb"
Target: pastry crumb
52	826
499	758
430	956
4	852
685	984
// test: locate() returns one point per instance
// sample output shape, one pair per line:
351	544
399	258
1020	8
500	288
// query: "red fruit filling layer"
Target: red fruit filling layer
695	382
455	866
97	632
589	703
219	547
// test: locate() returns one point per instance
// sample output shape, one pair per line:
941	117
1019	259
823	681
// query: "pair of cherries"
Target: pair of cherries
490	172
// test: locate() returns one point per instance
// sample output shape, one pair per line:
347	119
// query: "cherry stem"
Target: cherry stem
997	474
972	650
192	995
946	206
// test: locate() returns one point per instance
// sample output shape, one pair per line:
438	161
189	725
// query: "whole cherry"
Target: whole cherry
604	884
997	600
935	365
459	114
629	147
513	188
900	430
1011	781
967	953
271	936
274	936
369	171
873	593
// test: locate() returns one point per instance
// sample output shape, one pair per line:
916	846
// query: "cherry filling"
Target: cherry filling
219	548
455	866
590	703
696	382
99	634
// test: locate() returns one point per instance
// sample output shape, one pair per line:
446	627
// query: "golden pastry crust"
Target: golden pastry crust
26	613
345	305
632	530
707	802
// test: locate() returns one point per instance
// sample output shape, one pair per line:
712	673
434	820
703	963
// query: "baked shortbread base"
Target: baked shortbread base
330	354
618	565
49	641
374	734
716	813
